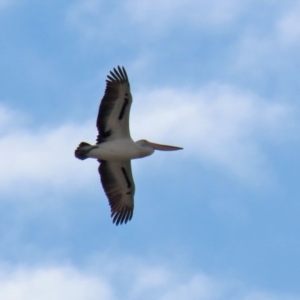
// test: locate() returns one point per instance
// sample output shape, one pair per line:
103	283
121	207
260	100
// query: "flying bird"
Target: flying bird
115	148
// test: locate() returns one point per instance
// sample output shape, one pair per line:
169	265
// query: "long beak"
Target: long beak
163	147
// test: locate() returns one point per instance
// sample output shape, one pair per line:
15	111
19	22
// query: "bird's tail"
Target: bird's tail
82	150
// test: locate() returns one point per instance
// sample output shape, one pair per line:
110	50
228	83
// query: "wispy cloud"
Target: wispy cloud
218	125
52	283
194	13
9	119
5	3
39	156
270	50
138	280
93	18
261	53
219	78
288	27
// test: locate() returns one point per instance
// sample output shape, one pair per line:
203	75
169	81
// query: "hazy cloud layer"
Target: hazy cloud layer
256	47
262	53
52	283
129	279
288	27
218	125
219	78
90	16
5	3
43	155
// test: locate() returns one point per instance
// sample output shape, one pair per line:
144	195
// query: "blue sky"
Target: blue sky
218	220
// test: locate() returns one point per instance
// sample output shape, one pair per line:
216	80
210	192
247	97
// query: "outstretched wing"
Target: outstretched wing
113	115
118	184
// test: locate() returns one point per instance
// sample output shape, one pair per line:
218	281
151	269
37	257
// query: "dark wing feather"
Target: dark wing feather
118	184
113	115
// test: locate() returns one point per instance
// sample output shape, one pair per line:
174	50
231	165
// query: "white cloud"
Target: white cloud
288	27
93	19
257	49
52	283
7	3
122	281
258	295
82	15
4	3
192	12
35	156
273	49
217	125
8	118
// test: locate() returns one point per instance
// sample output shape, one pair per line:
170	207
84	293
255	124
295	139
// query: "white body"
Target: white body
119	150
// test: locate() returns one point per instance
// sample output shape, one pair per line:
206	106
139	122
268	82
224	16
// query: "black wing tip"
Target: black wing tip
123	216
117	75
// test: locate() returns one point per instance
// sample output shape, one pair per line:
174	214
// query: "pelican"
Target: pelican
115	148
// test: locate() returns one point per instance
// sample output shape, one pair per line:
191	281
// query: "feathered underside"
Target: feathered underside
113	115
118	184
